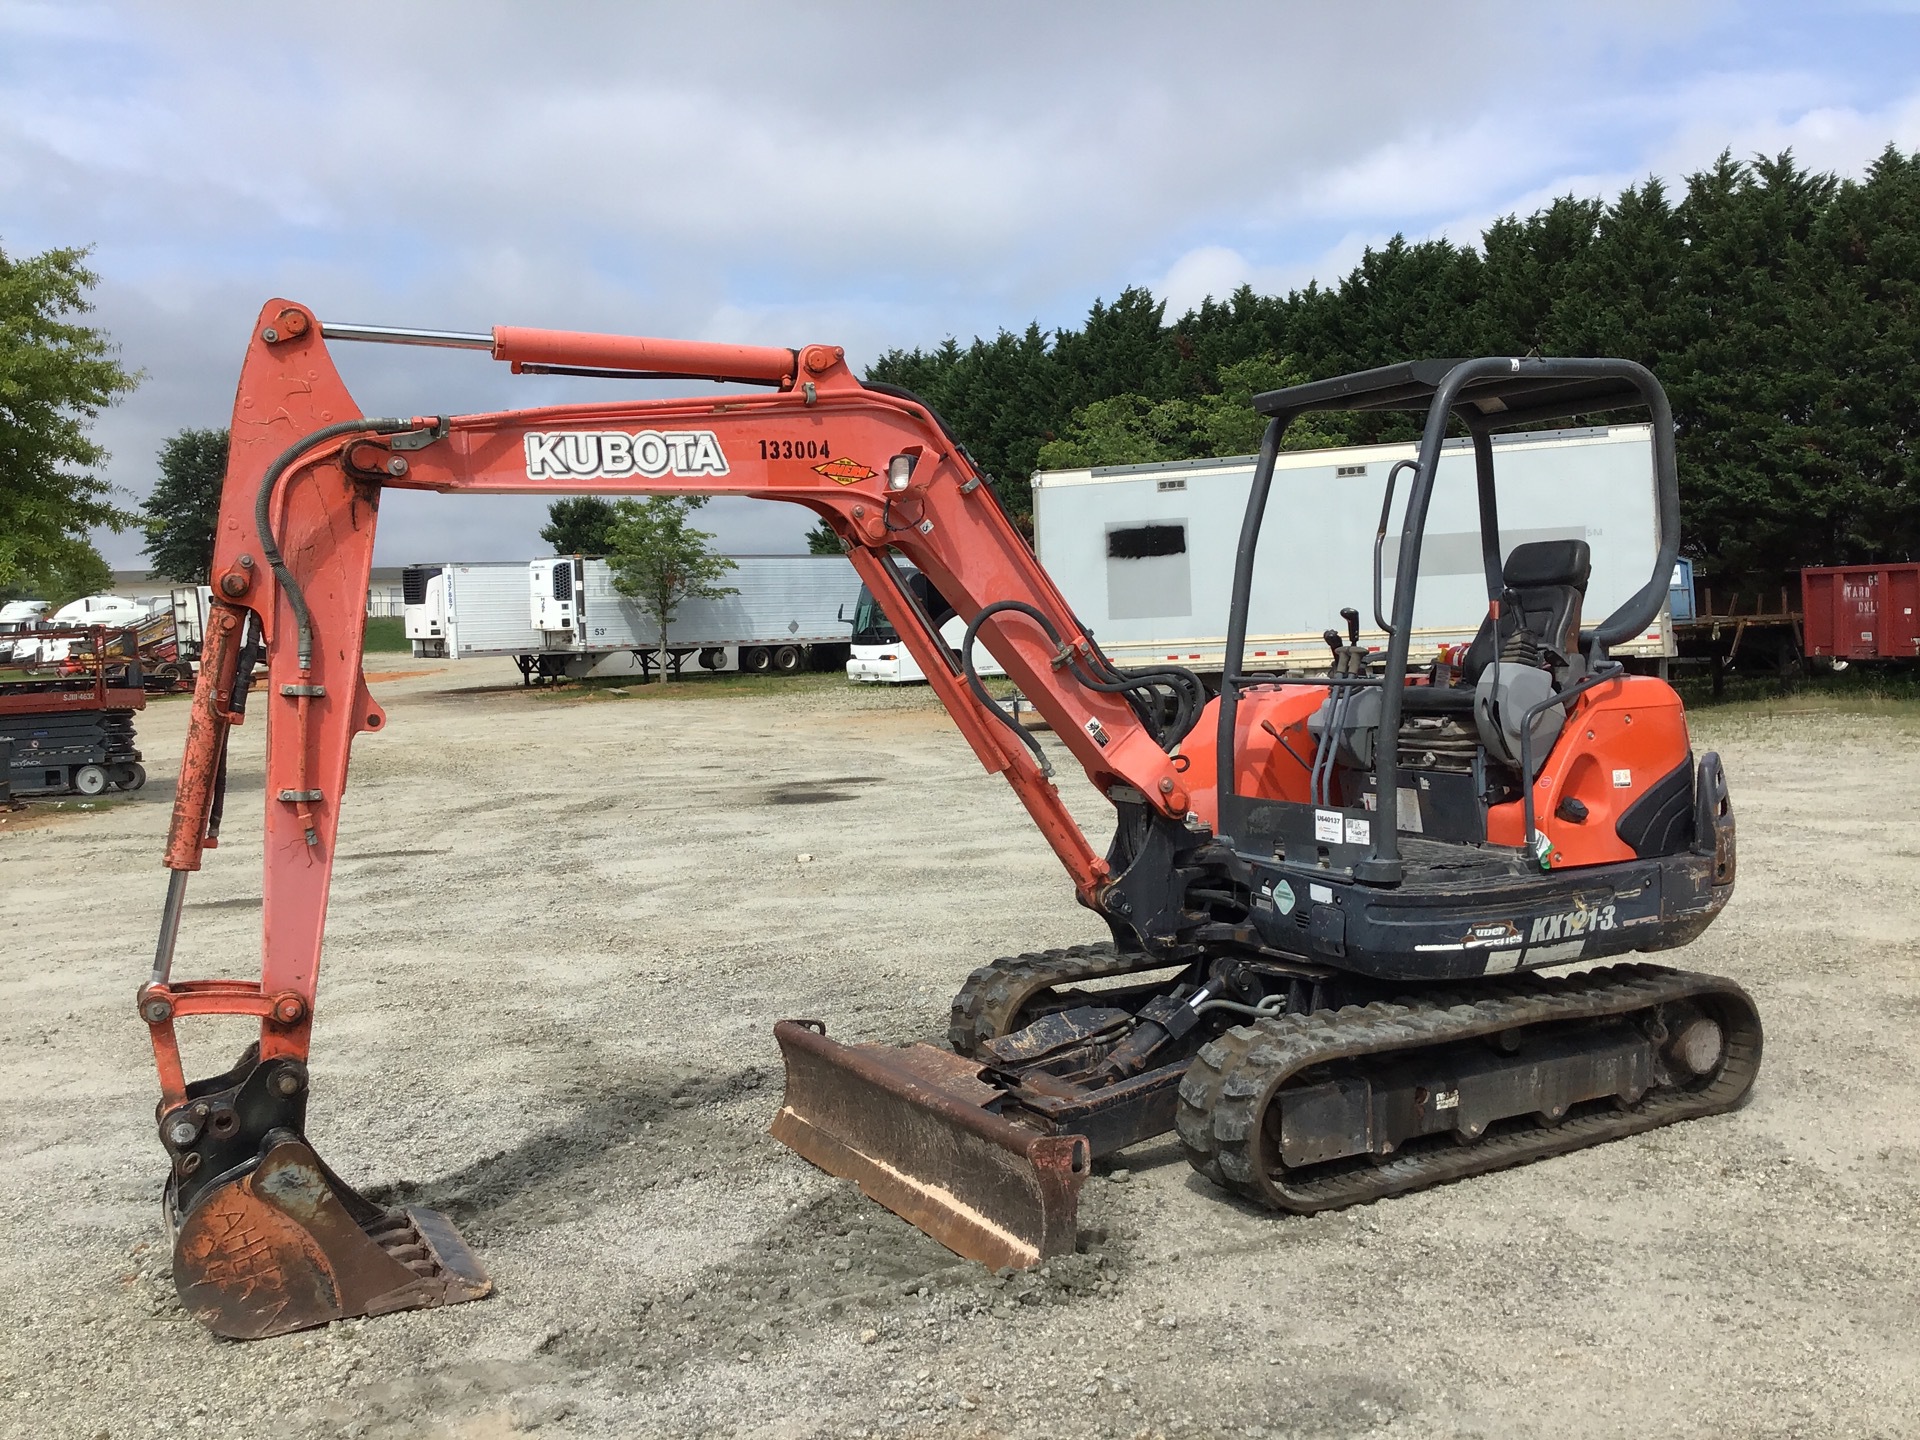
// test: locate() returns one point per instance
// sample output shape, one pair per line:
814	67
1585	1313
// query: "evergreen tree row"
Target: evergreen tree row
1779	307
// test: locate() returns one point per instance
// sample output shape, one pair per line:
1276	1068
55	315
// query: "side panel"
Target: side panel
1900	624
1622	740
1104	537
777	600
1859	614
487	611
1817	609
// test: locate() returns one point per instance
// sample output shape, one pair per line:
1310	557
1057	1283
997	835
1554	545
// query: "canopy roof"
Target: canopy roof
1535	389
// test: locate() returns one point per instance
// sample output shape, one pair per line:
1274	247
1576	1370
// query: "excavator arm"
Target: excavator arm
267	1239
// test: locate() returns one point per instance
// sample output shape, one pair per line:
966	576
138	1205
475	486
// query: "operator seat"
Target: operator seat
1546	580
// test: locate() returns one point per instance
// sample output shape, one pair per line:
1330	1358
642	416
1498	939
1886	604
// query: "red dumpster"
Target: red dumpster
1862	612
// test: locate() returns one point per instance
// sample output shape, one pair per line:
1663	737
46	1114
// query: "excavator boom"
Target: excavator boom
267	1238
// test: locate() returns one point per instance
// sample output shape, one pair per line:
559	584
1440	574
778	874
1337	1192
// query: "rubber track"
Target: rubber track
994	995
1229	1083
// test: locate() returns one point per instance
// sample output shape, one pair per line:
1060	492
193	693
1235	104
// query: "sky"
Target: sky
871	176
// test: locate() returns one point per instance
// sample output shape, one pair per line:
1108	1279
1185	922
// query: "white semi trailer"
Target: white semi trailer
461	612
561	615
1144	553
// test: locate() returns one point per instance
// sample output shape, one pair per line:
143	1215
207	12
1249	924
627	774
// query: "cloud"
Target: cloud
871	175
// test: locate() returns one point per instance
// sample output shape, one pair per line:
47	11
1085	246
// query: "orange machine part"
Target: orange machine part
1622	738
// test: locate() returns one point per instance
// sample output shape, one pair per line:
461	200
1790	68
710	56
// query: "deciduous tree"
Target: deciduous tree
56	375
659	560
579	525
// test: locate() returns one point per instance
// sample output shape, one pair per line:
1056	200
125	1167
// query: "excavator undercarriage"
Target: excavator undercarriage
1330	895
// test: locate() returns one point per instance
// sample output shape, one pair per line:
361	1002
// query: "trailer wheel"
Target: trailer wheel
89	780
129	775
754	660
787	659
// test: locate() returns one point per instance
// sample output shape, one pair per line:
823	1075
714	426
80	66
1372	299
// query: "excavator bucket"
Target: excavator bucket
911	1125
273	1240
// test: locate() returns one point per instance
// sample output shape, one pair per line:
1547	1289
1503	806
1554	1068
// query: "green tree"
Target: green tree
184	508
822	541
579	525
66	572
55	376
659	560
1131	429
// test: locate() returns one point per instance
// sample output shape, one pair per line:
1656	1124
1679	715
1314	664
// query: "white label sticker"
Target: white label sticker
1622	779
1359	832
1326	826
1407	809
615	454
1499	962
1320	894
1446	1099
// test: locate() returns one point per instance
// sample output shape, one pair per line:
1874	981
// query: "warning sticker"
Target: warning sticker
1283	897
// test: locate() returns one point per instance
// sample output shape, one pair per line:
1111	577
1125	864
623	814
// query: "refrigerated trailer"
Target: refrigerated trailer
459	612
1144	553
561	615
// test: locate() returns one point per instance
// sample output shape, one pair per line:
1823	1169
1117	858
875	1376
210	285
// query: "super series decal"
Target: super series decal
615	454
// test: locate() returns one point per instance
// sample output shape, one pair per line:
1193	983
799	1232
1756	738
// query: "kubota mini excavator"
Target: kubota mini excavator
1327	894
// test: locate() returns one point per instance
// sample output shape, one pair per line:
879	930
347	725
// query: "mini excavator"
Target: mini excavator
1329	896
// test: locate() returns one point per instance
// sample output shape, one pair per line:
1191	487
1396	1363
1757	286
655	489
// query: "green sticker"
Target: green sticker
1283	897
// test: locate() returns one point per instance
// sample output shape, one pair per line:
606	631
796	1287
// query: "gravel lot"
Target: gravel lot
562	928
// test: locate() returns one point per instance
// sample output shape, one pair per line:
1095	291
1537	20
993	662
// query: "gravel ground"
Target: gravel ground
562	928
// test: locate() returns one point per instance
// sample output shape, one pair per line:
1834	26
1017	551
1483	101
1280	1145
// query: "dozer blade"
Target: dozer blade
286	1245
910	1125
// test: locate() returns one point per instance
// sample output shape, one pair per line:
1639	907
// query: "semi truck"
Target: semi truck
561	615
1120	542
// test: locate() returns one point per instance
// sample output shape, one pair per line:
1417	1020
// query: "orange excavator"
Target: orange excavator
1328	895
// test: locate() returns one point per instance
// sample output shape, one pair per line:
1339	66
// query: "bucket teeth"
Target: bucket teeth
286	1245
913	1127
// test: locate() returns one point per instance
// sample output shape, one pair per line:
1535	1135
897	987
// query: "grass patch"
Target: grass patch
1857	689
387	635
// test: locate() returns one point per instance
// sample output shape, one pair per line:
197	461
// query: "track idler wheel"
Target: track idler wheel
267	1239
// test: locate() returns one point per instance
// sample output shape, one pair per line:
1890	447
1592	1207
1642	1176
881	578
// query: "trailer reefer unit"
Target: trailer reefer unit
1862	612
1120	542
454	612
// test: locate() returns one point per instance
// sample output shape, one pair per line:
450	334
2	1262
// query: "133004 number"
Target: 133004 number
794	450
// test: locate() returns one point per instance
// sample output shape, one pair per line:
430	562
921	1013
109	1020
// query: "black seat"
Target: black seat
1546	580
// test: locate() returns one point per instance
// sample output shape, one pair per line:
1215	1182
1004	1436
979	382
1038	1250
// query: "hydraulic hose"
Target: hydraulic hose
1187	690
980	691
270	549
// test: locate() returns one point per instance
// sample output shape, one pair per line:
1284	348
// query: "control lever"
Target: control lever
1352	617
1332	637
